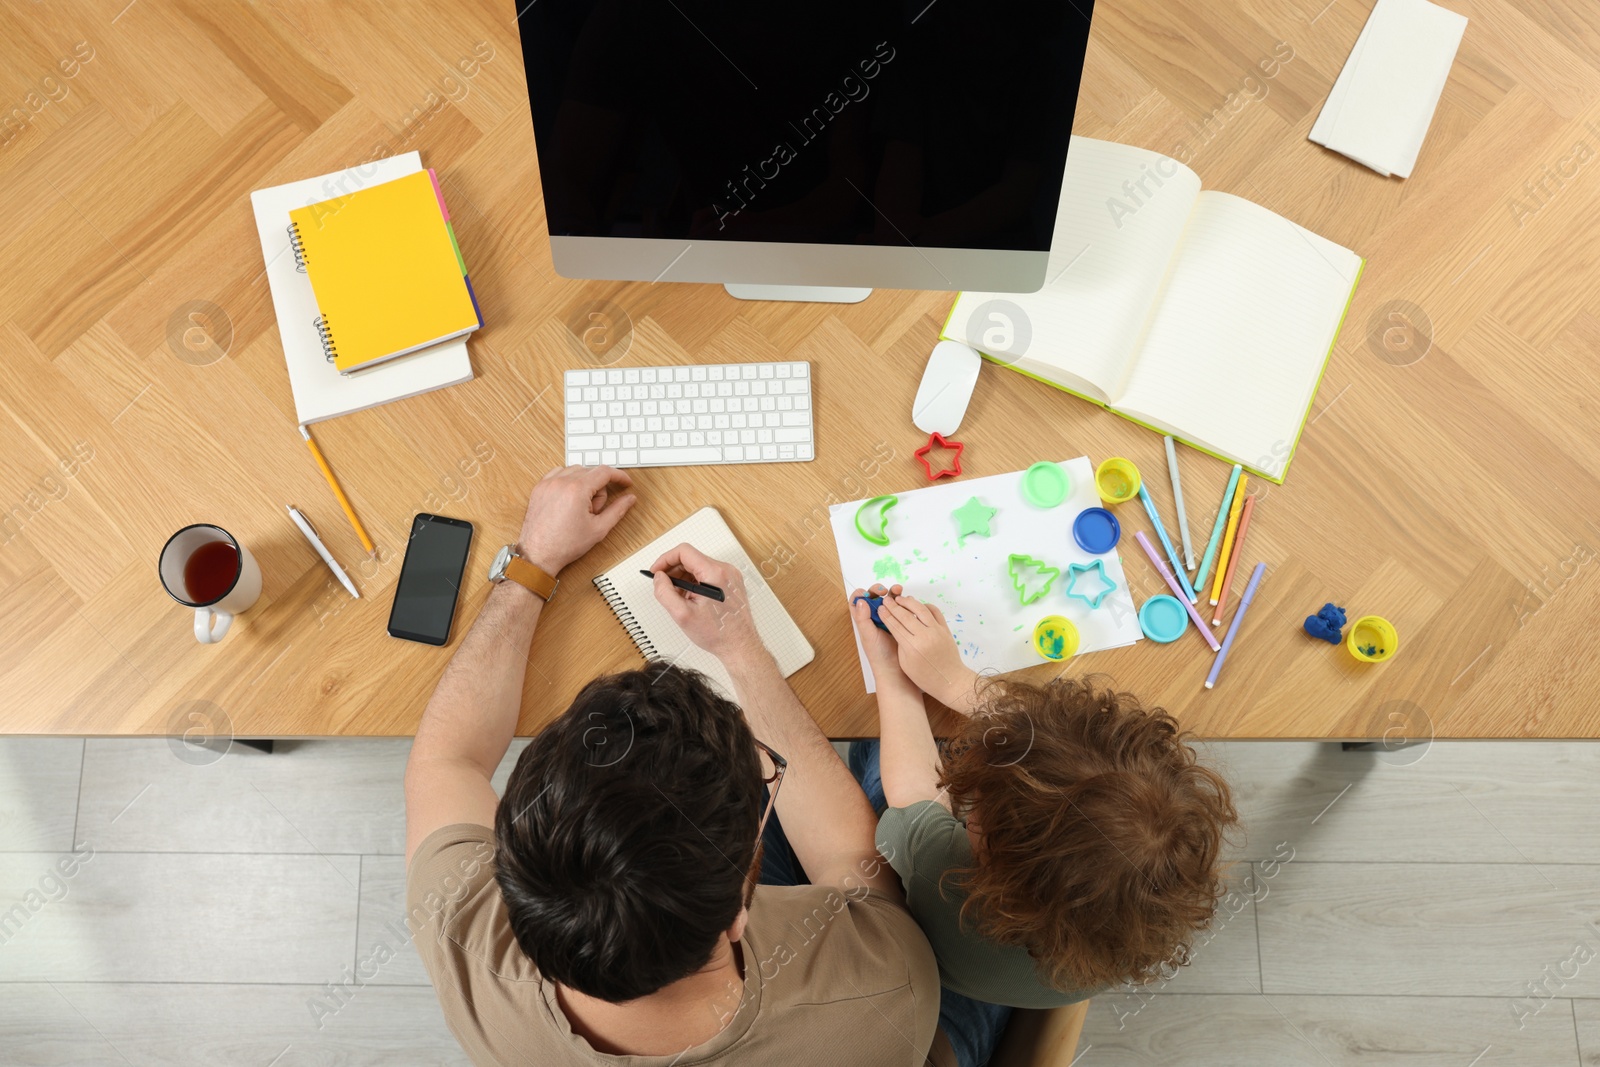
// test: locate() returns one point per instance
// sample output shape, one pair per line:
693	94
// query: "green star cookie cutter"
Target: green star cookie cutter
883	504
1078	570
972	518
1015	562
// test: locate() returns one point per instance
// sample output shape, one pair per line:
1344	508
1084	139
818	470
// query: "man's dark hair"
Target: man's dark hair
627	831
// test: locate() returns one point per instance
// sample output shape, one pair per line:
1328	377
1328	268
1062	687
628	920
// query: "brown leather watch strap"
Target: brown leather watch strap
531	577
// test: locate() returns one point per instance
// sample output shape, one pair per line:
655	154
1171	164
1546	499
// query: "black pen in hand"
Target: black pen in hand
710	592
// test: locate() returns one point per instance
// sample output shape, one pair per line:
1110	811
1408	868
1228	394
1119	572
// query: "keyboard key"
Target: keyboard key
614	409
794	418
613	441
700	407
792	386
784	370
718	406
758	388
802	451
724	388
769	451
769	403
770	420
713	437
802	403
630	440
739	389
792	435
697	374
591	459
647	375
747	437
800	369
602	425
627	457
670	422
747	372
633	407
715	373
691	390
733	454
590	393
651	407
663	456
587	441
739	421
614	377
663	440
764	436
574	395
697	438
635	425
631	375
574	459
765	370
577	411
680	374
786	451
577	377
652	425
674	390
679	440
722	422
608	392
579	426
786	403
624	392
608	458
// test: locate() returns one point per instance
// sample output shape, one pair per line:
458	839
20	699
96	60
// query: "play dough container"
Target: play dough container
1096	530
1117	480
1055	638
1372	639
1163	619
1045	484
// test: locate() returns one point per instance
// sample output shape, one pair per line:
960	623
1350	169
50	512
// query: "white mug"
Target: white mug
226	577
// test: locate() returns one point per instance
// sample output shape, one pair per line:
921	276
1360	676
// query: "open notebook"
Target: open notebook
1198	314
652	630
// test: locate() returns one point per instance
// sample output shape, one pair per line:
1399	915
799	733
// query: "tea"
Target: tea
210	571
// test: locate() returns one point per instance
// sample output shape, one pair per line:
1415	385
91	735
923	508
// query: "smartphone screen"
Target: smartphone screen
430	579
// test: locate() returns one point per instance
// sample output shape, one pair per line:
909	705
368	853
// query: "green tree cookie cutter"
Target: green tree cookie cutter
1015	563
881	537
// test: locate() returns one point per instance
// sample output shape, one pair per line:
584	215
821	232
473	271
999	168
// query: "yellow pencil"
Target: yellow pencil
1227	538
344	501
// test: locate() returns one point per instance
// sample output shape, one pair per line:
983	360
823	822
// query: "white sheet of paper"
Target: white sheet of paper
972	583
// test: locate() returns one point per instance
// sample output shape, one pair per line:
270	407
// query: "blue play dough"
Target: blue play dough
1163	619
873	604
1096	530
1326	623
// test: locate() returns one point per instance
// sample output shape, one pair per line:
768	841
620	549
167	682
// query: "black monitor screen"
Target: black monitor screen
937	124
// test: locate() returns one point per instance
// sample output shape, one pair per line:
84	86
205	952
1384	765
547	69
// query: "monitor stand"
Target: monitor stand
812	294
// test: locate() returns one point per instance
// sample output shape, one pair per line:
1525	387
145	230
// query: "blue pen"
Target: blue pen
1166	543
1216	531
1238	617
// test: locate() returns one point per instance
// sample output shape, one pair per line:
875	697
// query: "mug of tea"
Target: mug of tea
205	567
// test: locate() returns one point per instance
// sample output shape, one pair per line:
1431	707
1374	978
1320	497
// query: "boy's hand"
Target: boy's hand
882	654
928	653
726	630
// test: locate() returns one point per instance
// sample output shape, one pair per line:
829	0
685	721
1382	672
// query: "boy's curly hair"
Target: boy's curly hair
1100	836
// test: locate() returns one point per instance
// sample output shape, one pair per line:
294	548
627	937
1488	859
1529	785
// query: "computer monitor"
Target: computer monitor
828	143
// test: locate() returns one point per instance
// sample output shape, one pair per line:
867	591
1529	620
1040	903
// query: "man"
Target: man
610	911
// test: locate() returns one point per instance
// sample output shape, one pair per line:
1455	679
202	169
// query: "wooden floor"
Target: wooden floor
1415	907
1447	479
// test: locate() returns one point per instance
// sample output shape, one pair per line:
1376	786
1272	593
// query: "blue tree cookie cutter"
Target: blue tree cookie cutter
1015	562
882	536
1078	570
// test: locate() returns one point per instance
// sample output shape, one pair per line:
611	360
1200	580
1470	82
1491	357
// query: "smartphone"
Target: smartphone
430	579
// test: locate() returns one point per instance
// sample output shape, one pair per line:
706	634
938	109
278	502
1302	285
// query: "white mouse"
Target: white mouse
946	388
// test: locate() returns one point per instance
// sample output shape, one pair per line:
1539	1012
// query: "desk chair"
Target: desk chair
1040	1037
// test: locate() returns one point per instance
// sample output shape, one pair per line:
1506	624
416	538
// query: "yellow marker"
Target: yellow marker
333	483
1227	538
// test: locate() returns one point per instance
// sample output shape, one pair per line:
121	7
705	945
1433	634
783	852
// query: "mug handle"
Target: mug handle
211	626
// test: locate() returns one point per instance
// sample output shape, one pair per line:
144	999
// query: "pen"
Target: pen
710	592
1166	542
1216	531
333	483
1177	496
322	549
1166	572
1233	627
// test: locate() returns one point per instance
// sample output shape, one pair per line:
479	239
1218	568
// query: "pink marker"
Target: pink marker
1160	565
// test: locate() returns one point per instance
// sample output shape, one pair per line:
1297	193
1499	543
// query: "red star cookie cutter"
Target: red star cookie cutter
935	439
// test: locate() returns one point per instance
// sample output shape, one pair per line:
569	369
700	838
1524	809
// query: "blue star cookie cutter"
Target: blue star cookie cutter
1078	570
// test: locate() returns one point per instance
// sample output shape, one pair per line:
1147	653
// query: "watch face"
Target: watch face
497	569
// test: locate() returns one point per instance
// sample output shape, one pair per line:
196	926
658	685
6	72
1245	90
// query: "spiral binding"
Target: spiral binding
325	334
636	632
298	247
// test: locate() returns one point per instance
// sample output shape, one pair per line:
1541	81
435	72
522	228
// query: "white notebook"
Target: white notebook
1198	314
1382	103
633	601
320	391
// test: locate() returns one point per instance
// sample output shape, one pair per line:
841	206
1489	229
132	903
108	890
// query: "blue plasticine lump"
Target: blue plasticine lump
873	604
1326	624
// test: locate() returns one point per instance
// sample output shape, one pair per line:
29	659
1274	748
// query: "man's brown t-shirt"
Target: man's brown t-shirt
831	979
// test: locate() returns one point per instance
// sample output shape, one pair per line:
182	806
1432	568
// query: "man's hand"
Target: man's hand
928	652
725	630
883	655
570	511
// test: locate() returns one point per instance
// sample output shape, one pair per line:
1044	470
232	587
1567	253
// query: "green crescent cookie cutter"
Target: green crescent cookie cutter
882	536
1017	561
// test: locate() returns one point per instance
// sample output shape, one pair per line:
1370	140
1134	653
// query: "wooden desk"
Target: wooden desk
1454	493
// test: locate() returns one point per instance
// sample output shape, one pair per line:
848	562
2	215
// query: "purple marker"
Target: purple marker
1238	617
1161	568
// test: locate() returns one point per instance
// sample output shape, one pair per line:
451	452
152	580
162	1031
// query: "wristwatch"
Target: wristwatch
508	563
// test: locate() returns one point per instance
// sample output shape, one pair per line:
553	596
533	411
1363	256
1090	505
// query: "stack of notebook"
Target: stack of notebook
320	391
386	270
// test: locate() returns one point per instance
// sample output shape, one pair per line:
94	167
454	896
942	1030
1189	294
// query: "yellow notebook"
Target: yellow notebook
386	271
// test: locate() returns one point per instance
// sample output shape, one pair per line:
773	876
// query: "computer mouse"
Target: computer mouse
946	388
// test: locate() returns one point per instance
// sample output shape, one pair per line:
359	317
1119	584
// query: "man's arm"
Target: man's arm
825	814
472	715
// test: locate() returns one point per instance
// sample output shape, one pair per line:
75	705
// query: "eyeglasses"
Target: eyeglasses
772	781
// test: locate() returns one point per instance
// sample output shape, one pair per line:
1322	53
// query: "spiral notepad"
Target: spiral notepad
651	629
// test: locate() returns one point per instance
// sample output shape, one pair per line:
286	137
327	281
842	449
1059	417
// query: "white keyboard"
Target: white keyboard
670	416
